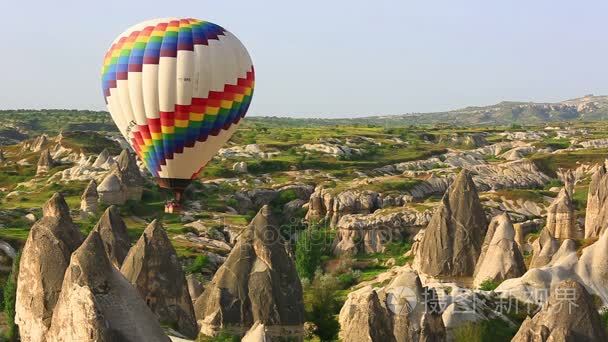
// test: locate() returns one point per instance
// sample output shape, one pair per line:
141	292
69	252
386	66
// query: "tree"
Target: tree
308	253
321	306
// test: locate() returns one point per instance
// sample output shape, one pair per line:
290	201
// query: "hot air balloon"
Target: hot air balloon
177	89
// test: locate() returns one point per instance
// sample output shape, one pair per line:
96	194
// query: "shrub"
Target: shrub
490	330
321	306
604	319
488	285
347	279
223	336
199	263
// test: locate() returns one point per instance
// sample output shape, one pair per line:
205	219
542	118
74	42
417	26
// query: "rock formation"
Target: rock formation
153	268
195	287
568	315
516	174
240	167
543	249
104	160
370	233
255	199
45	163
364	319
590	269
98	304
113	233
129	175
400	311
569	179
348	202
324	204
111	190
2	157
500	256
88	200
45	257
35	145
596	217
453	238
432	328
257	333
258	282
561	222
524	228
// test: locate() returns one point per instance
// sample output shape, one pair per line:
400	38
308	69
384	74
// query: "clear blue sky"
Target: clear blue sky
329	58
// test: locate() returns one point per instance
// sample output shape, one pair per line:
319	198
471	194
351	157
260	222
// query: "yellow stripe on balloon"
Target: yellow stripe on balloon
166	129
212	110
196	116
226	104
181	123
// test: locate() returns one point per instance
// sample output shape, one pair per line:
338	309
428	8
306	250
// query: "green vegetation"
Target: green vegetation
223	336
9	294
89	142
321	306
488	285
554	143
604	318
549	163
494	330
311	245
198	264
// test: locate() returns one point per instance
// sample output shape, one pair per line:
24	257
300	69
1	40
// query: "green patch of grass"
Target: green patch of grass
198	264
494	330
372	272
223	336
579	199
554	143
523	194
395	185
14	234
488	285
554	183
89	142
549	163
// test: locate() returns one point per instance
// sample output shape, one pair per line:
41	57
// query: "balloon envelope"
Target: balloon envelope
177	90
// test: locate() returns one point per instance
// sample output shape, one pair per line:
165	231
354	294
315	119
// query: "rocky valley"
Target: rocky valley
312	231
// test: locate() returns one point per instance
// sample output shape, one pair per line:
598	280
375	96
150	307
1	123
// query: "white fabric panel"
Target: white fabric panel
149	82
136	95
202	71
184	75
116	113
219	71
125	104
167	67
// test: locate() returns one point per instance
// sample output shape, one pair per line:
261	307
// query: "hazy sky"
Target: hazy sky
329	58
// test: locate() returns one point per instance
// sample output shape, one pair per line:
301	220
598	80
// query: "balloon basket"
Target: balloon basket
172	207
177	186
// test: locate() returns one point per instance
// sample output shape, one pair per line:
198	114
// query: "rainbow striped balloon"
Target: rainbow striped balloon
177	90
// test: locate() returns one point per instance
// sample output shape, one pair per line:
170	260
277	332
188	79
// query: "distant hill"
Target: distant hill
587	108
17	125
